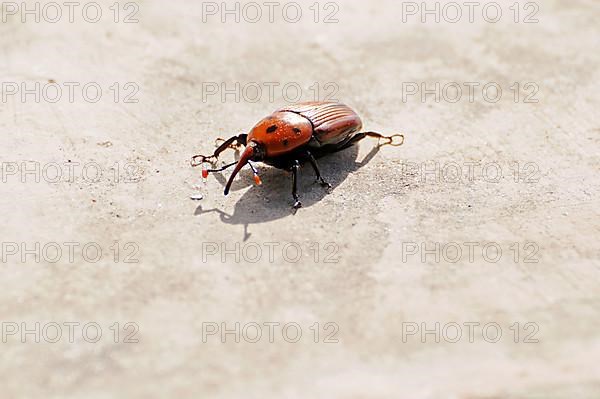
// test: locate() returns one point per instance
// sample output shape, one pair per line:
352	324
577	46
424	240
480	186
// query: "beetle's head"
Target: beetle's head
254	151
258	151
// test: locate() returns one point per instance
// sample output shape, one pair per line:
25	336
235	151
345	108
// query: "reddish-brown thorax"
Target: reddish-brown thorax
281	132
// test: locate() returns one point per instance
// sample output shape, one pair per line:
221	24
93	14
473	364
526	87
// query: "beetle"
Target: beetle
293	135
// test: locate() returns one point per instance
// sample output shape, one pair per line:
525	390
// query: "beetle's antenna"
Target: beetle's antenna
256	176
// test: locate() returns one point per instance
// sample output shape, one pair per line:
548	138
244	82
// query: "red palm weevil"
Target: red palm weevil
293	135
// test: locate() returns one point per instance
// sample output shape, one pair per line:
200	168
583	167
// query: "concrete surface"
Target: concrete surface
361	265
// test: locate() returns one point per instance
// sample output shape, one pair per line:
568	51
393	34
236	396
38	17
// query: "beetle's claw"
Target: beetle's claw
297	205
324	184
198	160
395	141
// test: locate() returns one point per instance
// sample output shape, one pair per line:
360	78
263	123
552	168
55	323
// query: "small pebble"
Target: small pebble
197	197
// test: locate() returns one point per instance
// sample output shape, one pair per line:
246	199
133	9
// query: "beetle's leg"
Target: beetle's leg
234	146
394	140
198	160
313	163
239	140
295	168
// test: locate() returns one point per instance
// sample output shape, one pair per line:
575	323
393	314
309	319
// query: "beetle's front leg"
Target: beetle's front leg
295	168
198	160
313	163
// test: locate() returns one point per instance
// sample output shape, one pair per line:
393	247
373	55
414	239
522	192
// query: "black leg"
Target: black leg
313	163
295	168
199	159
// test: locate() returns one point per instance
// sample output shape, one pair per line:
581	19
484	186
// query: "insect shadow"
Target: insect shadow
271	201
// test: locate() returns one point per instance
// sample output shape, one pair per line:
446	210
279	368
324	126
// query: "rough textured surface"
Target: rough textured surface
380	205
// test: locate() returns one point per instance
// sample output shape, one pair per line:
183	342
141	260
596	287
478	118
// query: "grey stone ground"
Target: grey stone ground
382	209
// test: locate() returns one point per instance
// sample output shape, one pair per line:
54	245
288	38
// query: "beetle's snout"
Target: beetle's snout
253	152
